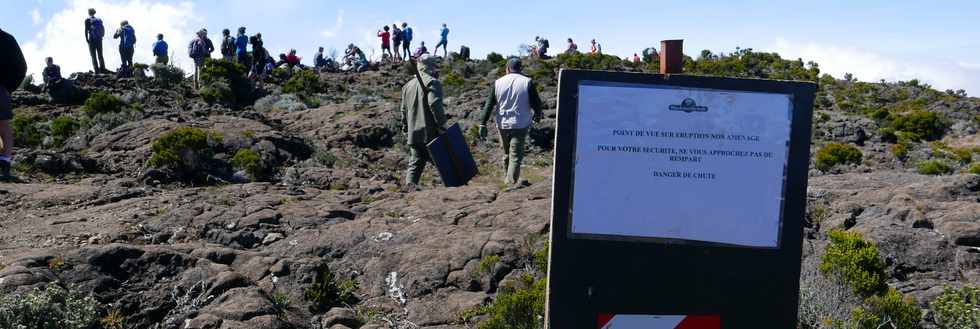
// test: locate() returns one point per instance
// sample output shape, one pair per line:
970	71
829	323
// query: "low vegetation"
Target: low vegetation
184	149
63	128
834	154
53	307
249	161
957	308
890	310
327	291
934	167
225	82
855	261
517	307
167	75
102	102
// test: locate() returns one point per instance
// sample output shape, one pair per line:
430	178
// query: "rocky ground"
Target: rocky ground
226	253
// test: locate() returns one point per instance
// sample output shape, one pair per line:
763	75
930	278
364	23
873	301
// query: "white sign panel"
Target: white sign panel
680	163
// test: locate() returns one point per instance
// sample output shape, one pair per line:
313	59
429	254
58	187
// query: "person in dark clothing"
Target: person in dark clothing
259	56
127	43
13	68
61	90
227	46
51	73
94	32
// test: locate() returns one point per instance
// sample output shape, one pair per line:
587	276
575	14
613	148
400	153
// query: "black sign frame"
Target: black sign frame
746	287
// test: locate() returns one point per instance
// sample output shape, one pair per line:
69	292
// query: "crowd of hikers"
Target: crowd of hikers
512	101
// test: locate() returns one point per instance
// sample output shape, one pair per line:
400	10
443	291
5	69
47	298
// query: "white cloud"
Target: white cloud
62	36
870	66
338	24
36	17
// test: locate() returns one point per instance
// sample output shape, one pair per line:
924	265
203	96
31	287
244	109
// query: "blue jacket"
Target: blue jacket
160	48
241	43
128	37
445	33
407	34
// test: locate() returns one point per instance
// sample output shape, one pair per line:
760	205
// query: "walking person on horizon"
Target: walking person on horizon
13	68
160	49
386	42
396	37
228	47
94	32
443	41
241	47
515	103
127	43
421	122
406	41
199	50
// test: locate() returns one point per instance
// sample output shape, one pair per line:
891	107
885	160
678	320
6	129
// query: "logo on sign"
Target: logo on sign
688	106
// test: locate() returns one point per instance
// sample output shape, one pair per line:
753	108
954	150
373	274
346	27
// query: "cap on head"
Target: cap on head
225	32
124	23
202	32
386	27
514	65
429	64
241	29
48	60
91	11
404	24
160	36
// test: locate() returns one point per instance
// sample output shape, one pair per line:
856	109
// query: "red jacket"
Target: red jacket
385	38
292	59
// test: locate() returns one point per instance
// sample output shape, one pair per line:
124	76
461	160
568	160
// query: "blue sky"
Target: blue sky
937	42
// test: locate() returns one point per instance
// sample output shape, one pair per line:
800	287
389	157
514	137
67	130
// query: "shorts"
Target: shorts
442	42
6	108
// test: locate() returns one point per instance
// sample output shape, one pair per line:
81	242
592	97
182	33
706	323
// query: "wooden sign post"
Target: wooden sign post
678	201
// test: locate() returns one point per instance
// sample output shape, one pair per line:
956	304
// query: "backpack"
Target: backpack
228	46
544	42
196	49
98	30
396	35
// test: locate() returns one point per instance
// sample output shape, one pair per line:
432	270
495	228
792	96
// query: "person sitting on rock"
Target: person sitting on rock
292	60
572	47
420	51
514	101
355	58
60	89
421	122
318	59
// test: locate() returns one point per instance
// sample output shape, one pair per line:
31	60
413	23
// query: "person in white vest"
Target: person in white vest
514	99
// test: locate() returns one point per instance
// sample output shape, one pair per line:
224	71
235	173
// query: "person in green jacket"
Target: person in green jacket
419	126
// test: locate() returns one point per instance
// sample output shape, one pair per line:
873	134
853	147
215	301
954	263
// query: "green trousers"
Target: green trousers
513	143
418	156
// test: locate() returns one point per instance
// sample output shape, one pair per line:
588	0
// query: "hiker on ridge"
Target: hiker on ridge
160	49
396	37
127	43
260	56
515	103
199	50
443	41
421	122
420	51
13	68
94	32
596	48
386	42
61	90
572	47
228	47
318	59
406	40
241	47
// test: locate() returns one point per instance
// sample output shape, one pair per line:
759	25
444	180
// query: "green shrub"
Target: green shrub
855	261
27	130
113	320
250	161
920	124
453	80
517	307
232	74
974	169
494	58
900	150
63	127
934	167
102	102
52	308
217	92
957	308
890	310
167	75
327	291
888	135
541	258
303	83
835	153
185	149
962	155
487	264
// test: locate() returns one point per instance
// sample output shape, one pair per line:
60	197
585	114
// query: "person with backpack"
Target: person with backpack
227	46
406	40
198	50
396	37
160	49
127	43
514	100
94	32
421	122
422	50
572	47
260	56
443	41
385	41
13	68
241	47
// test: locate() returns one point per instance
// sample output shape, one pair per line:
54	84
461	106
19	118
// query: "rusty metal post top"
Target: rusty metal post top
672	56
